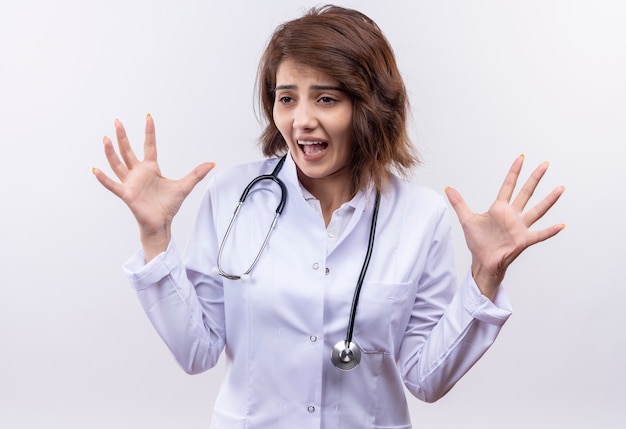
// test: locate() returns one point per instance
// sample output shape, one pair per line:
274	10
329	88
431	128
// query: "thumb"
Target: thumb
195	176
458	204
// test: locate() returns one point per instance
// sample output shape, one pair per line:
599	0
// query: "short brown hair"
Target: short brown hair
350	48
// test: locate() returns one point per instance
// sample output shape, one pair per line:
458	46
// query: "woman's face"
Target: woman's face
314	117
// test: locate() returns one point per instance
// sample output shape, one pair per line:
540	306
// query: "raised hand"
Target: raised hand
500	235
153	199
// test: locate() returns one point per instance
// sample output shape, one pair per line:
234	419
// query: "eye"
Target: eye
326	100
285	99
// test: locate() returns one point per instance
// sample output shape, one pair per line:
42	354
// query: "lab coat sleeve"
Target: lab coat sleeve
185	307
445	338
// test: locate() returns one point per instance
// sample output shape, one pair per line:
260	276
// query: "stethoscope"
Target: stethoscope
345	355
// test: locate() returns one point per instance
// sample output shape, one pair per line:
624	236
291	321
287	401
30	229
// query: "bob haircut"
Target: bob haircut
350	48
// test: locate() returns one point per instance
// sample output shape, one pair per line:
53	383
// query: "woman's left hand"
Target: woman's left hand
500	235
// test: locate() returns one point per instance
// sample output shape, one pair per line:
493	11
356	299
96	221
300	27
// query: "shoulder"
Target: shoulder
249	170
412	197
237	177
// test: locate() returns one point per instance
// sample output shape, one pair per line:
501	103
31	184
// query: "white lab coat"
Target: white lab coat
277	330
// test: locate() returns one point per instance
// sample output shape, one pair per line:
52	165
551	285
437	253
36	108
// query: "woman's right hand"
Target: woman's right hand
153	199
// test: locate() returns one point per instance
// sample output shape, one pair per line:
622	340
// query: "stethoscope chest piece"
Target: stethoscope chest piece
345	355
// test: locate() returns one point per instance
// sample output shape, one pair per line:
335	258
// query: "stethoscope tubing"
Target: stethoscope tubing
279	209
345	355
366	262
273	176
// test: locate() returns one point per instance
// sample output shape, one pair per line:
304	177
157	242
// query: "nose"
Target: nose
304	117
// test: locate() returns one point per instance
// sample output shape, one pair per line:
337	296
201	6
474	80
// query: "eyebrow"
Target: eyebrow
314	87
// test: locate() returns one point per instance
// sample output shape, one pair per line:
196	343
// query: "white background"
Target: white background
488	80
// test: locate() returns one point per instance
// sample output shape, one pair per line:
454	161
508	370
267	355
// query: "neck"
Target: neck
331	192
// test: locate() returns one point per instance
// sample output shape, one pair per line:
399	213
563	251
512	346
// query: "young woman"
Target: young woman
352	295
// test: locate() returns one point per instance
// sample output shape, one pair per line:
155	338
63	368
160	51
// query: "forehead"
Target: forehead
290	72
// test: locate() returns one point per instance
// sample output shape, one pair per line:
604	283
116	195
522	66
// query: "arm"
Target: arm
185	308
442	340
447	331
187	312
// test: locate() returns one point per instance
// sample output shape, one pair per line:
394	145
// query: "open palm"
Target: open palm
500	235
153	199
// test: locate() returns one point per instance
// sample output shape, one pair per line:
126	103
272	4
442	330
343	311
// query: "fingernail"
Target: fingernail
148	115
93	170
522	155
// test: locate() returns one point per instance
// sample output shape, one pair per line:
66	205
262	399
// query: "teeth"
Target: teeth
312	148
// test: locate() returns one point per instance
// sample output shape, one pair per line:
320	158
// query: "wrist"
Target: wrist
154	243
488	281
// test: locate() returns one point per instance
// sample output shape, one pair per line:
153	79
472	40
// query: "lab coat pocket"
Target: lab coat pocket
226	421
382	315
393	427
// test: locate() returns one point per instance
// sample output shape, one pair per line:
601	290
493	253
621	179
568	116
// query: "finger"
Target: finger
543	206
510	181
458	204
109	184
149	146
120	170
195	176
544	234
529	187
125	150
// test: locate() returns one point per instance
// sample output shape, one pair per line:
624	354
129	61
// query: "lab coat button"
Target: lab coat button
316	266
313	338
331	234
311	409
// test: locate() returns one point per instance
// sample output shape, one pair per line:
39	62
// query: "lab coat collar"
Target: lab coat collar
363	198
362	202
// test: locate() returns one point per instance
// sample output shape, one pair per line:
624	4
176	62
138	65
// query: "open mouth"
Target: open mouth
312	148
